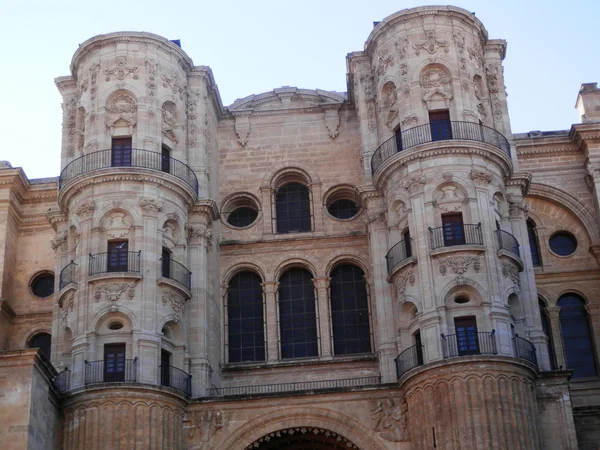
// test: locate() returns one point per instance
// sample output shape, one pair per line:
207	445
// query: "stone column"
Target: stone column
323	312
267	209
269	291
554	316
317	210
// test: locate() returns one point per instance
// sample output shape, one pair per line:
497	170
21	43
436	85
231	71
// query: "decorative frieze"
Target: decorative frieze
389	418
113	291
121	70
459	264
413	185
431	44
481	178
85	209
150	205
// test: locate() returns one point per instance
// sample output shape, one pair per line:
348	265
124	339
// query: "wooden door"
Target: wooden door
165	163
165	368
121	152
441	128
467	338
114	363
117	256
453	228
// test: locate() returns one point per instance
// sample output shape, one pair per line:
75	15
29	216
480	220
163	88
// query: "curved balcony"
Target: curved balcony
67	275
508	242
117	371
398	254
409	359
176	378
472	343
175	271
114	262
525	350
457	234
138	158
422	134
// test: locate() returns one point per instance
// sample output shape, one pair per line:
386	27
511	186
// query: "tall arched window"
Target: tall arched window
349	311
292	204
245	319
533	243
576	336
42	341
547	332
297	318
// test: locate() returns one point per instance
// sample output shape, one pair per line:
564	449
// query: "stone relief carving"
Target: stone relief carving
435	81
402	47
67	307
332	121
401	282
476	53
509	270
191	105
85	209
459	41
390	102
481	178
431	44
459	264
113	291
170	236
122	107
343	442
409	119
195	233
590	176
150	205
383	63
412	185
117	226
90	148
176	302
242	128
203	426
366	81
389	419
517	208
173	83
449	198
169	117
491	74
71	110
60	241
374	216
121	70
151	69
447	176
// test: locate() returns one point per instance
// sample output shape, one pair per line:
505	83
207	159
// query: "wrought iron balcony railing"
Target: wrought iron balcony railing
114	262
422	134
67	275
111	371
469	343
62	381
524	349
135	157
398	254
176	378
455	234
293	387
409	359
175	271
508	242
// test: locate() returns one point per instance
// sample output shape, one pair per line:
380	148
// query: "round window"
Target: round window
242	217
563	243
115	326
461	300
43	285
343	209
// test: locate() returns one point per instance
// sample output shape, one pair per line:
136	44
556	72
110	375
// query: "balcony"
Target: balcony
175	271
525	350
176	378
466	131
102	263
457	234
471	343
67	275
398	254
508	242
111	371
409	359
137	158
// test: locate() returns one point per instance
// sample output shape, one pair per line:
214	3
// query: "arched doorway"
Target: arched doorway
302	438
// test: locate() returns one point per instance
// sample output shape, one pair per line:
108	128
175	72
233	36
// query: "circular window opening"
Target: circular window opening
43	285
241	217
115	326
461	300
563	243
343	209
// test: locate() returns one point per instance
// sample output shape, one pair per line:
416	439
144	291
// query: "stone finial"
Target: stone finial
5	165
588	103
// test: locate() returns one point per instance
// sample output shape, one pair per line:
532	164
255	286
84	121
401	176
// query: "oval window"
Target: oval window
43	285
563	243
343	209
242	217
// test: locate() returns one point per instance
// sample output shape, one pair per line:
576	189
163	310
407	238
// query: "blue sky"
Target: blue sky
255	46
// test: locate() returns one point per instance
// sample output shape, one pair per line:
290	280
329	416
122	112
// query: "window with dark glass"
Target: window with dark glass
349	311
43	285
165	262
398	135
577	337
297	317
165	159
453	229
121	152
117	256
467	341
242	217
533	243
245	321
165	368
114	362
547	332
293	208
563	243
439	122
343	209
418	346
407	243
42	341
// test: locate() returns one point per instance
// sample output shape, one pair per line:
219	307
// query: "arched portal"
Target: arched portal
302	438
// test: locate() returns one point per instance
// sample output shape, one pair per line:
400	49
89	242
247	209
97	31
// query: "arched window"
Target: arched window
533	243
41	341
576	336
547	332
297	319
292	204
349	311
245	319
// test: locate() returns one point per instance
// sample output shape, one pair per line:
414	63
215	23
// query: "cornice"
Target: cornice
583	133
207	207
522	180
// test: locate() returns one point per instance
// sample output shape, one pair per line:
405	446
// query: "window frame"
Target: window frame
301	217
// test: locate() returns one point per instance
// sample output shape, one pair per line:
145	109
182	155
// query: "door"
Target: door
165	368
453	229
121	152
117	256
114	363
467	340
407	246
166	263
419	347
398	134
441	129
165	163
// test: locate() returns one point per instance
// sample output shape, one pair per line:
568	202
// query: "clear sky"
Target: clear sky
254	46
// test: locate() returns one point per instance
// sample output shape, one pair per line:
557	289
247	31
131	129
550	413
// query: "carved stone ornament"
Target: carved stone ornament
172	81
202	427
242	128
509	270
332	121
191	107
85	209
476	53
117	226
481	178
492	76
447	176
412	185
196	233
341	440
366	81
90	147
150	205
409	119
113	291
459	264
374	216
434	78
389	418
67	307
121	111
517	208
449	199
151	69
402	47
400	283
169	113
590	176
176	302
431	44
60	241
121	70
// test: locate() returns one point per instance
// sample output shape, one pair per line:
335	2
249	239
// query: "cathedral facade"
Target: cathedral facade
385	268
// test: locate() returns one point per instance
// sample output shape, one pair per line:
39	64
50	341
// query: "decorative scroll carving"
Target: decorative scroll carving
476	53
242	128
435	81
117	226
151	69
517	208
374	216
85	209
67	307
402	47
113	291
191	105
195	233
173	82
202	427
459	264
60	241
122	107
71	110
390	420
431	44
509	270
481	178
412	185
492	73
332	121
150	205
400	283
121	70
175	301
366	81
449	198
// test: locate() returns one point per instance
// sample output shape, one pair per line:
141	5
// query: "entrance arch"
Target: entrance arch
302	439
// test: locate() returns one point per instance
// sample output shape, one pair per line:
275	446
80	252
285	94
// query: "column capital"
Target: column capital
321	282
270	287
553	312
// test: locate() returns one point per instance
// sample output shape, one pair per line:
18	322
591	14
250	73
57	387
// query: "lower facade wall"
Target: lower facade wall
587	426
